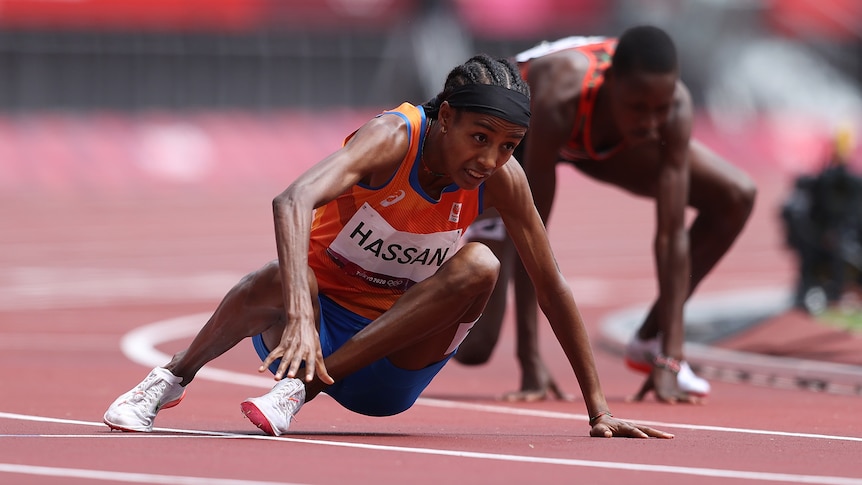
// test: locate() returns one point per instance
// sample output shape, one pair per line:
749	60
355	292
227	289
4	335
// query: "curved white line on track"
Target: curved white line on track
40	288
705	313
140	344
45	287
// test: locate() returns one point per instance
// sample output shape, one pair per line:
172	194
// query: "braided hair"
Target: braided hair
480	69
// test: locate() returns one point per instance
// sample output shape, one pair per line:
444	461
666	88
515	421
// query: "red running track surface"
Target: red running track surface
91	280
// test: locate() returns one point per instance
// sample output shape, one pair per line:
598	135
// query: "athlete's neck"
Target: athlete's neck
432	180
605	135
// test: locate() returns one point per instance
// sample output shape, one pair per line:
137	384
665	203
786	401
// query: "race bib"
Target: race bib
368	247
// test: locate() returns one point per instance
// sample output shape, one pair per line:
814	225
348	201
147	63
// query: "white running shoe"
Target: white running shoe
136	409
640	355
690	383
273	411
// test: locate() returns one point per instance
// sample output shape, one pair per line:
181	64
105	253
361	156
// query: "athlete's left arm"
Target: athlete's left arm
671	245
509	192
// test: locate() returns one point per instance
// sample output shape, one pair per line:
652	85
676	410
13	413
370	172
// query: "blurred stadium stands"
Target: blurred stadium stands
103	83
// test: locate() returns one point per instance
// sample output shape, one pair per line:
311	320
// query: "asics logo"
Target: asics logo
392	199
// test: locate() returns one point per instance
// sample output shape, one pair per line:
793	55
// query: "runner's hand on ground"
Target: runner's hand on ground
550	391
607	426
664	382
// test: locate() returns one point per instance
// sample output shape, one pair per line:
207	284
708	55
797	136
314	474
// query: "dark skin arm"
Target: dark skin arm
671	239
508	191
554	84
671	243
371	155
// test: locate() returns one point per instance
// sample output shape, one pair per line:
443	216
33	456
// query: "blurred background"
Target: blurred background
142	142
120	96
115	114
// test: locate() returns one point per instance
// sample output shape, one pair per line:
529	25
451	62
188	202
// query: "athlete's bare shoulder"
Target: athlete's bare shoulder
507	187
558	76
378	146
679	124
387	125
682	99
555	70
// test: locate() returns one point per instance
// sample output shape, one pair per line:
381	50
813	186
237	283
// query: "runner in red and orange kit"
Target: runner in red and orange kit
372	292
617	111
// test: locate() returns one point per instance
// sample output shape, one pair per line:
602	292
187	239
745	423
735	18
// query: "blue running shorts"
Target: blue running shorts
380	389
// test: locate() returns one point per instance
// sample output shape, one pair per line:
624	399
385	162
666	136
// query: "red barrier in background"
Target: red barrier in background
825	19
513	18
117	152
132	14
833	20
108	152
198	15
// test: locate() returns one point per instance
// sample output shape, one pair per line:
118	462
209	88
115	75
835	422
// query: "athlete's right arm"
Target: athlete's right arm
371	154
554	86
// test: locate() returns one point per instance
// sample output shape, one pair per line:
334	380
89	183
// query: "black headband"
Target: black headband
494	100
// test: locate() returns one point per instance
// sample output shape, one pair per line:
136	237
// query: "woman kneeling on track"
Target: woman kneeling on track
371	292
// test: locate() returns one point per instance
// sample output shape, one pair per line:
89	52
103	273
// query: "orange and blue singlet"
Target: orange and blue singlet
371	244
368	247
599	51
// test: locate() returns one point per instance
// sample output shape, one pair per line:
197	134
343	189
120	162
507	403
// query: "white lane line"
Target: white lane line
33	288
51	341
39	287
613	465
45	419
124	476
140	346
582	417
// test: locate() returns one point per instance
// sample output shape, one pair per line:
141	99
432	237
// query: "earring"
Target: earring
444	130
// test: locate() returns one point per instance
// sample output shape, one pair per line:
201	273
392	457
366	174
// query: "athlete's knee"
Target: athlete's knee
738	205
743	195
731	209
476	267
475	350
472	356
261	287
